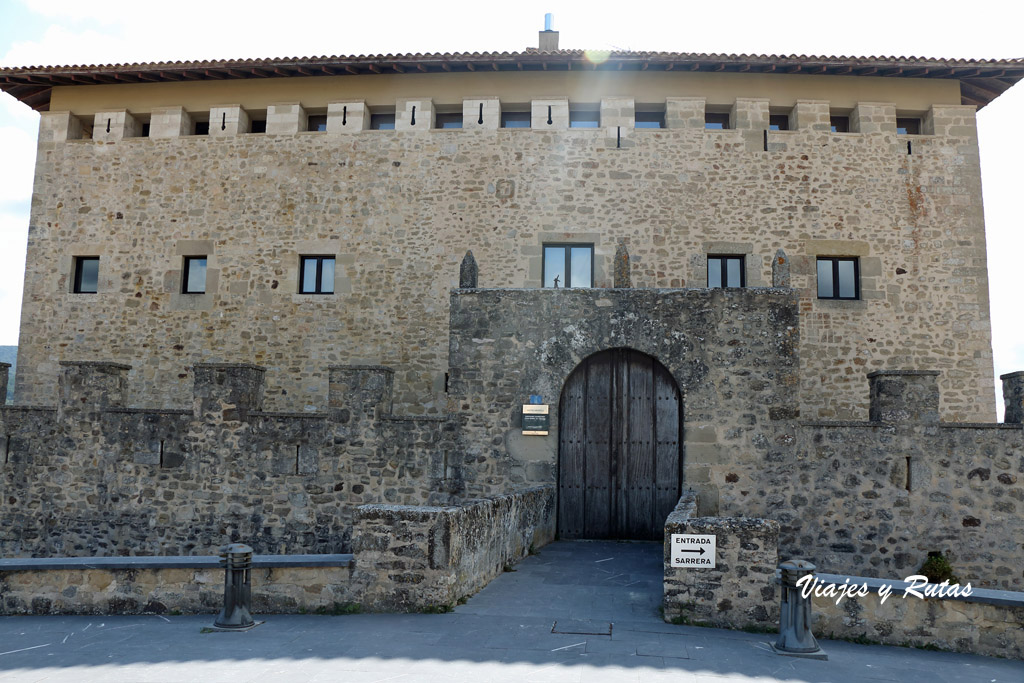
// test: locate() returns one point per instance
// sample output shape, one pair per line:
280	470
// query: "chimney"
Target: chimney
548	38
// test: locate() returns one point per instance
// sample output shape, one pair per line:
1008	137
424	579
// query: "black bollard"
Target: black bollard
236	615
795	637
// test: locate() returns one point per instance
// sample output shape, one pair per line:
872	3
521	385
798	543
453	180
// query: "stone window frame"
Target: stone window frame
344	267
753	262
869	275
174	280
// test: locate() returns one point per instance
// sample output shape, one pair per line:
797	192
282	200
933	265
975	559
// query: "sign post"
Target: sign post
693	551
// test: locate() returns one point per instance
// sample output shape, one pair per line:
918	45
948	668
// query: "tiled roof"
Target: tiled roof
981	81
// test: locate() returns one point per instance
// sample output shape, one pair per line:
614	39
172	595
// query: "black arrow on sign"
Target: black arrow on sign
699	551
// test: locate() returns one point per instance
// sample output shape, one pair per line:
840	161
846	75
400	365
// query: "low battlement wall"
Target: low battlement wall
93	477
408	559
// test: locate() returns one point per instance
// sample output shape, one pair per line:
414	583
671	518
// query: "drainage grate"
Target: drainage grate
582	627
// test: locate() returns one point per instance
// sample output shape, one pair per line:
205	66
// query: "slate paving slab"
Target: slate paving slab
509	632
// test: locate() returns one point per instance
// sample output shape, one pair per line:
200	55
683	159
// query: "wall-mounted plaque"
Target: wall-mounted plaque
535	420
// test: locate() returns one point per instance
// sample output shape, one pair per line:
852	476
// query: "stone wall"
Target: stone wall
740	591
428	557
186	585
732	354
399	209
408	559
989	622
92	477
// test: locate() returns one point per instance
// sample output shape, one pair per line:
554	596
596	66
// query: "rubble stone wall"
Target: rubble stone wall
408	559
412	558
740	590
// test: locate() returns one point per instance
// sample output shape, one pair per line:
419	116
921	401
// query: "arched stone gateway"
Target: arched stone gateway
620	466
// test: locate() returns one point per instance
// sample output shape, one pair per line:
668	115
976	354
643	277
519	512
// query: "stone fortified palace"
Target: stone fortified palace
431	310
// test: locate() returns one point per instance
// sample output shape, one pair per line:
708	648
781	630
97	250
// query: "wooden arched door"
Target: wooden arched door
620	469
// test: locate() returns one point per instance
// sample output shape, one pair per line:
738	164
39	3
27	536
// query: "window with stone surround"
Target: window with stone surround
193	275
568	265
87	275
316	275
838	277
726	271
778	122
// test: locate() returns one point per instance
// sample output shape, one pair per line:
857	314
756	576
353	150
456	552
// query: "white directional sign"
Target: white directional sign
693	551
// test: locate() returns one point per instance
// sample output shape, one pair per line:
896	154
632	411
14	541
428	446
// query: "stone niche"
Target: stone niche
732	353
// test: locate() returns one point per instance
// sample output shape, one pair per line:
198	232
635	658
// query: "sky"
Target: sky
58	32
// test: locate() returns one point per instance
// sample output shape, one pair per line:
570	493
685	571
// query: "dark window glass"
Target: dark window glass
908	126
382	121
840	124
193	278
258	126
650	119
778	122
515	119
568	265
584	118
446	121
715	121
87	274
726	271
838	278
145	130
317	123
201	128
317	275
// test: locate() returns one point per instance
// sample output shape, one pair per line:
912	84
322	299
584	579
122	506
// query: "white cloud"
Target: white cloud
19	146
13	241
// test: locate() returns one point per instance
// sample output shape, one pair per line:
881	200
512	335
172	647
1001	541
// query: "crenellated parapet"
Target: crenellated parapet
904	396
171	480
756	117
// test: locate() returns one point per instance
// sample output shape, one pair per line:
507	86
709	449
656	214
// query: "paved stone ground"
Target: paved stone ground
548	621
